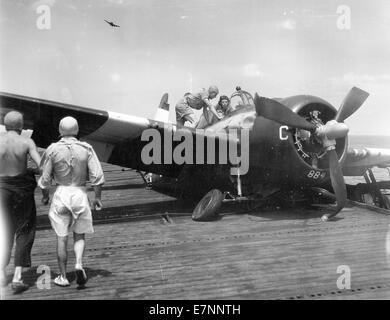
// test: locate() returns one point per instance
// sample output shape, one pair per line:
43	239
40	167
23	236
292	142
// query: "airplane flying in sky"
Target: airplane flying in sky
297	149
112	24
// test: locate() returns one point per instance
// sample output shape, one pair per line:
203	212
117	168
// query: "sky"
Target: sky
276	48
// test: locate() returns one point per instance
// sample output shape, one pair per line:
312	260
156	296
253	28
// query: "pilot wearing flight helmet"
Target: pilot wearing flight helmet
223	108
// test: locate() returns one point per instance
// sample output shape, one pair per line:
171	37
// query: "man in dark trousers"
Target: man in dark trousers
17	205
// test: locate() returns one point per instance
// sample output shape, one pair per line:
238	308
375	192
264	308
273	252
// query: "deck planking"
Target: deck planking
136	253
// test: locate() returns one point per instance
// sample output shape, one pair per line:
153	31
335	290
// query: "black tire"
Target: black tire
208	207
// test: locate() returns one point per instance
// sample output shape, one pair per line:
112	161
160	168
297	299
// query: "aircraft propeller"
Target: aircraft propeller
332	130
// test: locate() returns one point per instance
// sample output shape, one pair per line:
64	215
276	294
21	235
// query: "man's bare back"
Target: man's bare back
14	150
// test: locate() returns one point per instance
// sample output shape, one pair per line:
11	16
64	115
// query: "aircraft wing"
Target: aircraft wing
115	137
360	159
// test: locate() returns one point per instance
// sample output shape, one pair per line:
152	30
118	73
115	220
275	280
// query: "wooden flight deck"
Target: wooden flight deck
146	246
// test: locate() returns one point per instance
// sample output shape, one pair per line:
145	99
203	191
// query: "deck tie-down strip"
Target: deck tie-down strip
336	292
220	238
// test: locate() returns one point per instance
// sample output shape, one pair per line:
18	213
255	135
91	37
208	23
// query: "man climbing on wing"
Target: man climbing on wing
198	100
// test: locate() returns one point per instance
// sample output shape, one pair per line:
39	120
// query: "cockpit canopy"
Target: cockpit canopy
240	99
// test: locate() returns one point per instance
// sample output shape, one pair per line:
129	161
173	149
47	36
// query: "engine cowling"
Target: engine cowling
308	146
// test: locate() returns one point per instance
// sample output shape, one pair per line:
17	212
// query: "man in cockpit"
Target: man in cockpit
223	108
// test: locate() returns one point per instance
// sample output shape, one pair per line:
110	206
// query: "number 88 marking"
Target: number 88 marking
314	174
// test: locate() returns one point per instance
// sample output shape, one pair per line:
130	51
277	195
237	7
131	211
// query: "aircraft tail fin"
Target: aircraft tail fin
162	113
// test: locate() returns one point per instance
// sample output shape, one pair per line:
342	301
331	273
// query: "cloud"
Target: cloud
72	7
116	77
375	109
364	78
38	3
252	70
116	2
289	24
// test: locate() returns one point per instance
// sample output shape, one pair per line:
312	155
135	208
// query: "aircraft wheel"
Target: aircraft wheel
207	208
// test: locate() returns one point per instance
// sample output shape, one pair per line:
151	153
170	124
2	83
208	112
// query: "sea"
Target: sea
358	141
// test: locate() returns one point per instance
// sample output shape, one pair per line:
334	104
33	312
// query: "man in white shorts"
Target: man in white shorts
70	163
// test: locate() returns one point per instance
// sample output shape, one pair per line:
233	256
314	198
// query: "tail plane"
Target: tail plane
162	113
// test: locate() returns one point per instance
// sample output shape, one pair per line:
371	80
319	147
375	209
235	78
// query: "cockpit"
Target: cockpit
240	113
240	99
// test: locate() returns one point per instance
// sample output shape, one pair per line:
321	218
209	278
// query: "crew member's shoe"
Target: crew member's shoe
61	281
19	287
81	277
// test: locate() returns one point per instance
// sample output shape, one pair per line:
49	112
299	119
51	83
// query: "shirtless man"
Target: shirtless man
17	204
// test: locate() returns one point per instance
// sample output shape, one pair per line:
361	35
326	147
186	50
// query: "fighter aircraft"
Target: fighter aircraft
298	148
112	24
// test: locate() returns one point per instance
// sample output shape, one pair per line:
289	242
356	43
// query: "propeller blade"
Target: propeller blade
338	184
274	110
352	102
